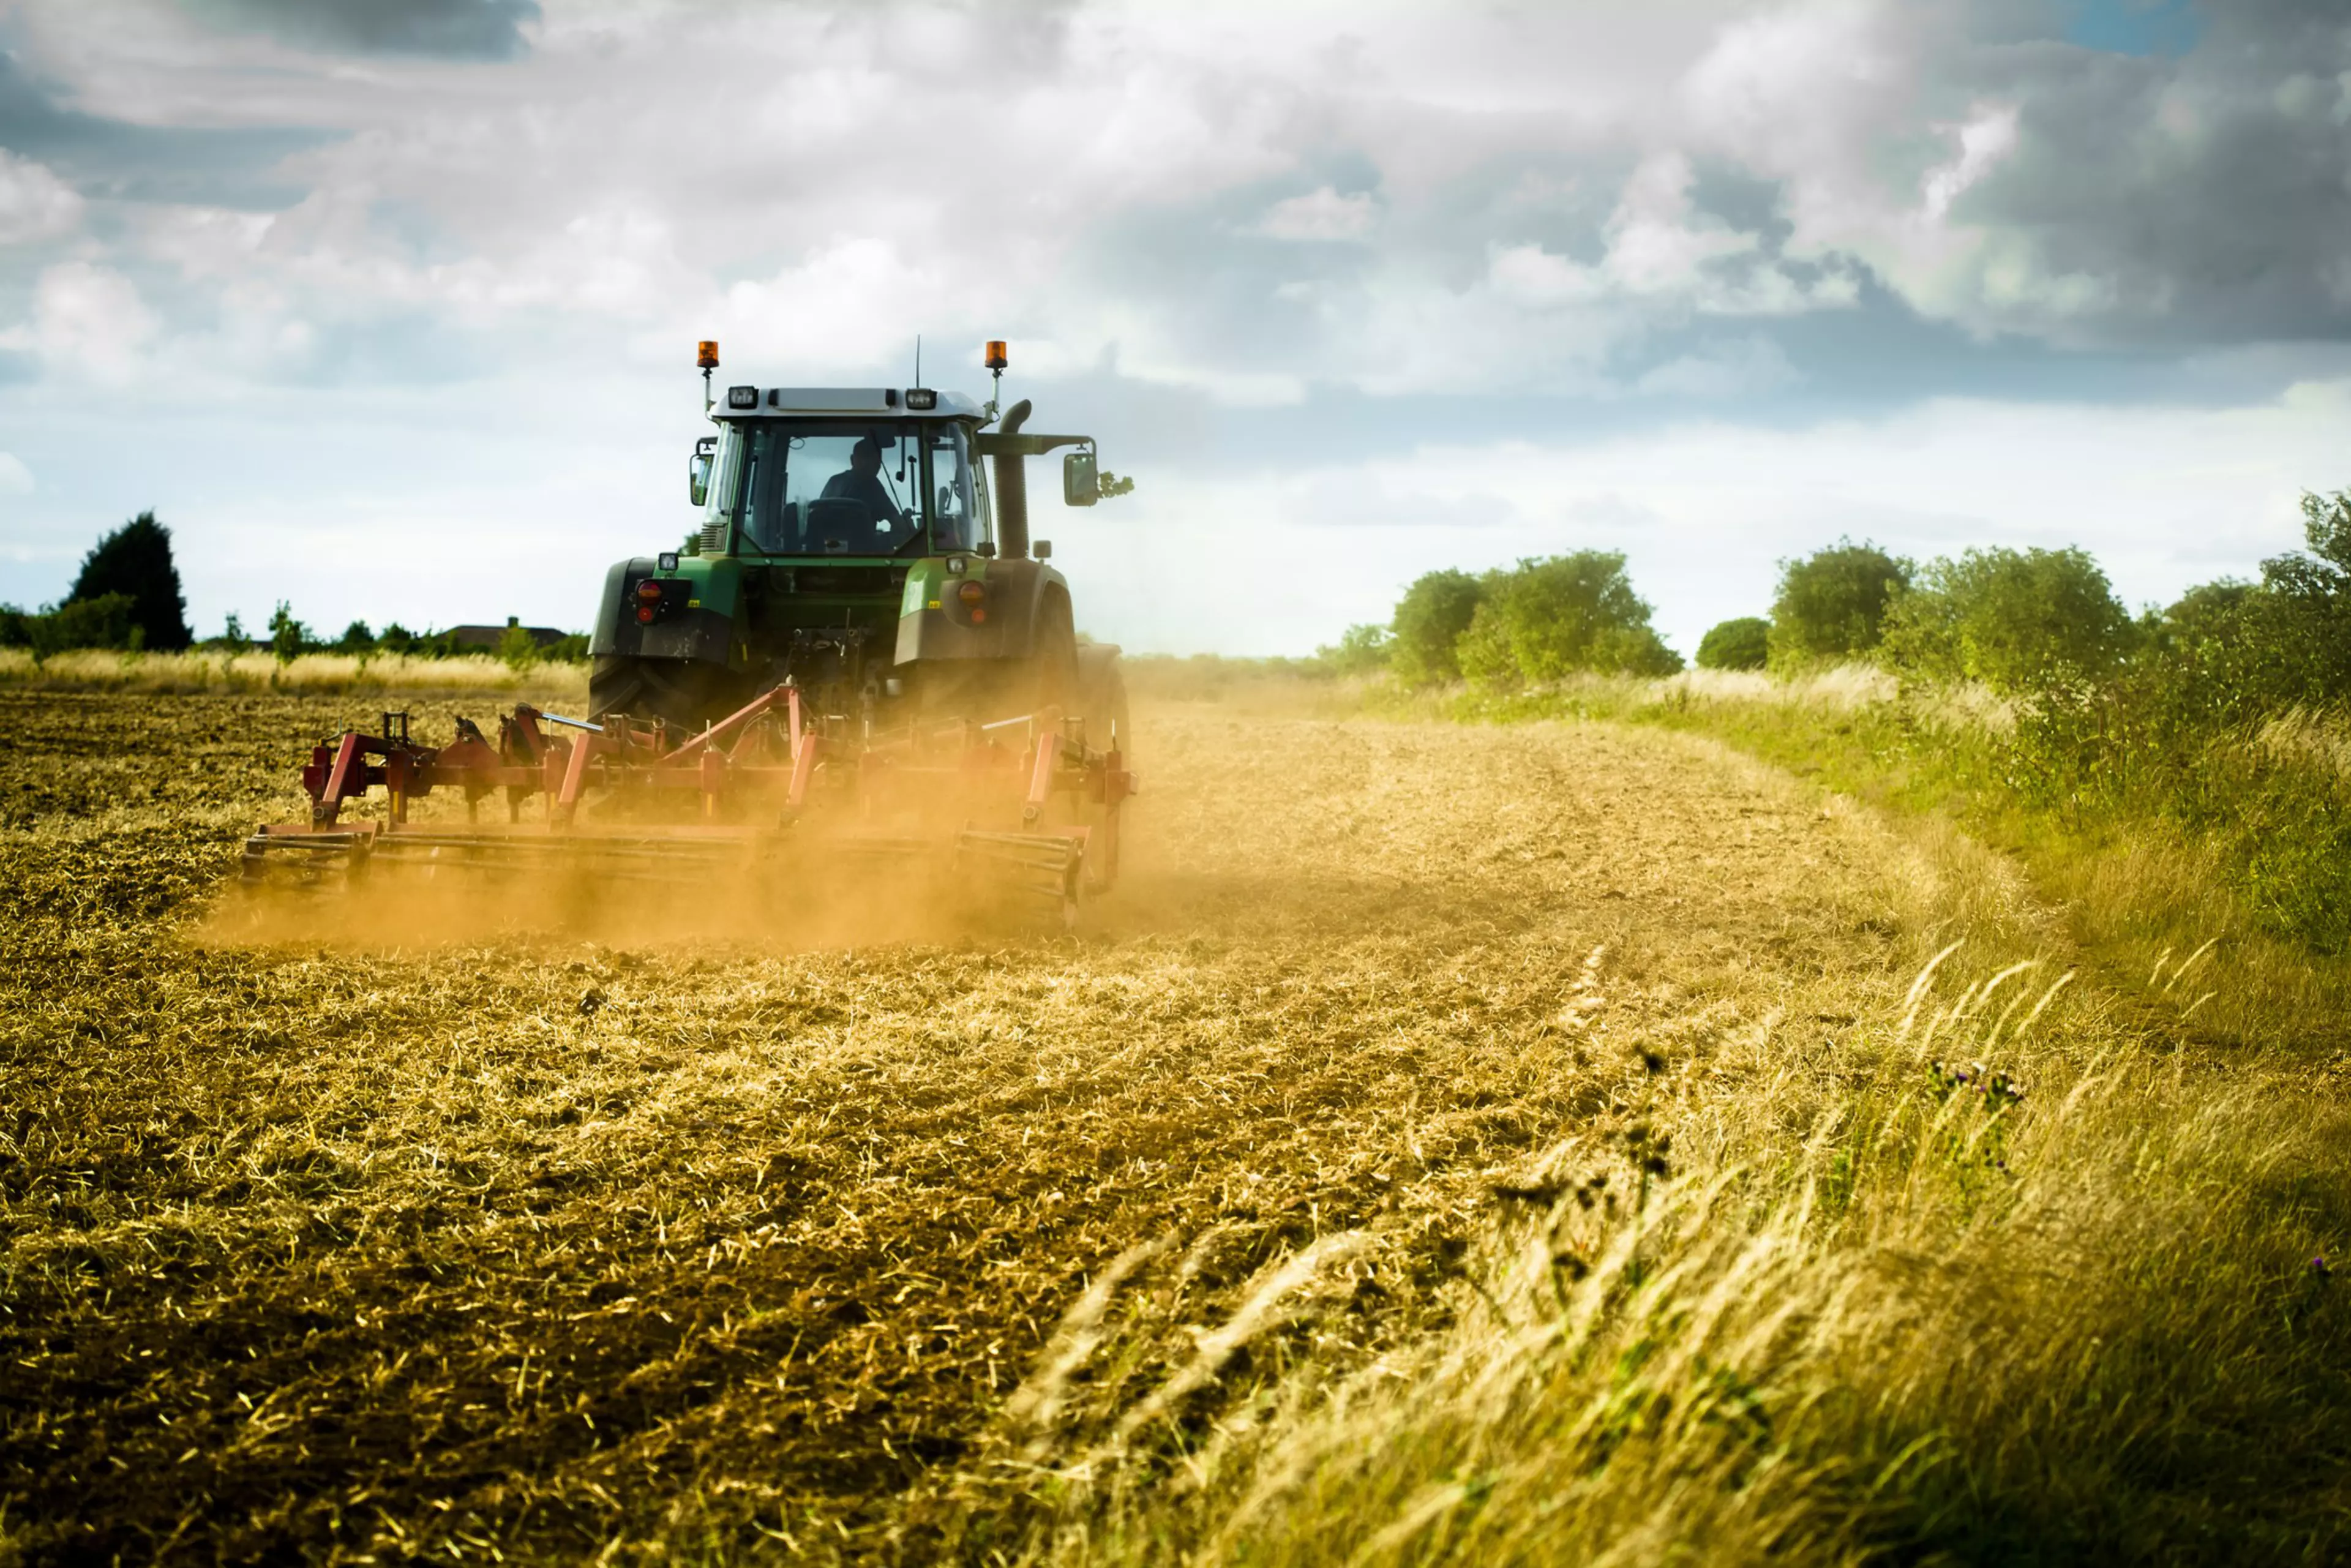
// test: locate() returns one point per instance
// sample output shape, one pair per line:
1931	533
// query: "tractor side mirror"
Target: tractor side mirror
697	472
1081	486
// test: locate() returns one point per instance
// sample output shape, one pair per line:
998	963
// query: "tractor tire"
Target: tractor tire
685	693
988	690
1102	701
1052	663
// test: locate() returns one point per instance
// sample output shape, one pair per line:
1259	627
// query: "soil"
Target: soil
389	1246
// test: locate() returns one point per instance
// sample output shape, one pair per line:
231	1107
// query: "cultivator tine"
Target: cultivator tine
1038	873
307	859
773	787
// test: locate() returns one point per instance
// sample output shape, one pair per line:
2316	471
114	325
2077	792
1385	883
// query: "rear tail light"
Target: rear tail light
654	599
973	597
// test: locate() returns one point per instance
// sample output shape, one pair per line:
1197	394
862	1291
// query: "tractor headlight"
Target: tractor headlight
742	397
922	398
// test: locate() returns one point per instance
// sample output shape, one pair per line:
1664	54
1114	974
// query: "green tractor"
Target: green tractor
854	547
859	661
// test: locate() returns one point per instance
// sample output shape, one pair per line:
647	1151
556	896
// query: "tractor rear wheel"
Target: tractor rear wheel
685	693
1102	701
988	690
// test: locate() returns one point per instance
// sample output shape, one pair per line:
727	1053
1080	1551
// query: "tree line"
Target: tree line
127	596
2226	713
2018	621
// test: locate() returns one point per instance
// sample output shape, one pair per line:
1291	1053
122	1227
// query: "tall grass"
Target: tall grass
101	670
2248	845
1981	1278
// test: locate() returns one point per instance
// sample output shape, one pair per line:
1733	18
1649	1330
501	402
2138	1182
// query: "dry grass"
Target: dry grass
1245	1225
2300	737
198	671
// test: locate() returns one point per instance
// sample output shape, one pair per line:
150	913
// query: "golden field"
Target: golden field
1552	1143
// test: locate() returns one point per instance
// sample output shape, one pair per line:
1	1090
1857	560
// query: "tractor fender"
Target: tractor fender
691	631
1016	590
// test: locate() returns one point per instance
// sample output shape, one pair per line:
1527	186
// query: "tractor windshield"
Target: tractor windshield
840	488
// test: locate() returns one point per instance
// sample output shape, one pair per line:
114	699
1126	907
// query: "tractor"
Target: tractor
859	656
854	546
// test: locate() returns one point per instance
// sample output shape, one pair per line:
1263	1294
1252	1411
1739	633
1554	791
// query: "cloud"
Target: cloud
2020	185
1722	372
35	204
16	479
452	29
1321	213
89	324
1344	234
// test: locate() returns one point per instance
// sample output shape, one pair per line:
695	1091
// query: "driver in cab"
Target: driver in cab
862	482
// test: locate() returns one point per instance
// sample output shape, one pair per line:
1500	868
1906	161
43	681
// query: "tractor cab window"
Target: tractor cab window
832	488
836	487
722	505
958	520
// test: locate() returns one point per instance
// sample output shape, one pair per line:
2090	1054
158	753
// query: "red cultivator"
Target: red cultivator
1018	812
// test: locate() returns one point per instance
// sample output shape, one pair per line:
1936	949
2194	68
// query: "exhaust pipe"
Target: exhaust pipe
1012	489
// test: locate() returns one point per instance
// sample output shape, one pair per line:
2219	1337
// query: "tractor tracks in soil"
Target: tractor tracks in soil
541	1244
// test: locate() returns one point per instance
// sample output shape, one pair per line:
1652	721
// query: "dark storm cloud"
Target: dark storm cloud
226	167
448	29
2201	199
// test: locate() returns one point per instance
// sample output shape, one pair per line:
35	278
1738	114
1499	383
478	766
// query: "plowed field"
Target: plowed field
539	1244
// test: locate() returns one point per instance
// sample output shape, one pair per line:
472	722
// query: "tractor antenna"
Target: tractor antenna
918	359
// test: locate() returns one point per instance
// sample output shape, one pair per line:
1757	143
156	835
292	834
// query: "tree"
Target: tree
2307	621
356	639
135	560
288	636
233	635
2015	620
1560	615
396	638
1744	643
1831	603
1430	621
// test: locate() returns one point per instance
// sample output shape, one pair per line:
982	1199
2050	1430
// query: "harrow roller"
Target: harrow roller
1019	816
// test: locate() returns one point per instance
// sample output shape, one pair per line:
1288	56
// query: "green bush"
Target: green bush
105	621
2014	620
518	649
1831	603
1430	621
1360	651
1560	615
1744	643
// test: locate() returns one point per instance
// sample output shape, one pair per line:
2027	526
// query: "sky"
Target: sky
388	307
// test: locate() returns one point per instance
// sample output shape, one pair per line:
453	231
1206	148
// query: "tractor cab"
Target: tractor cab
852	544
799	476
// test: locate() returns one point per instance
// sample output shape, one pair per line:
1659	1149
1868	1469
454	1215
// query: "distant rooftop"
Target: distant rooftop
490	636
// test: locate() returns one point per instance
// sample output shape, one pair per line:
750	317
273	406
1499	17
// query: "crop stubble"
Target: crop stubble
542	1242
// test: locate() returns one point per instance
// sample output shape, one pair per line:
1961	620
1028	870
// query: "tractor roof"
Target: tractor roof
866	403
